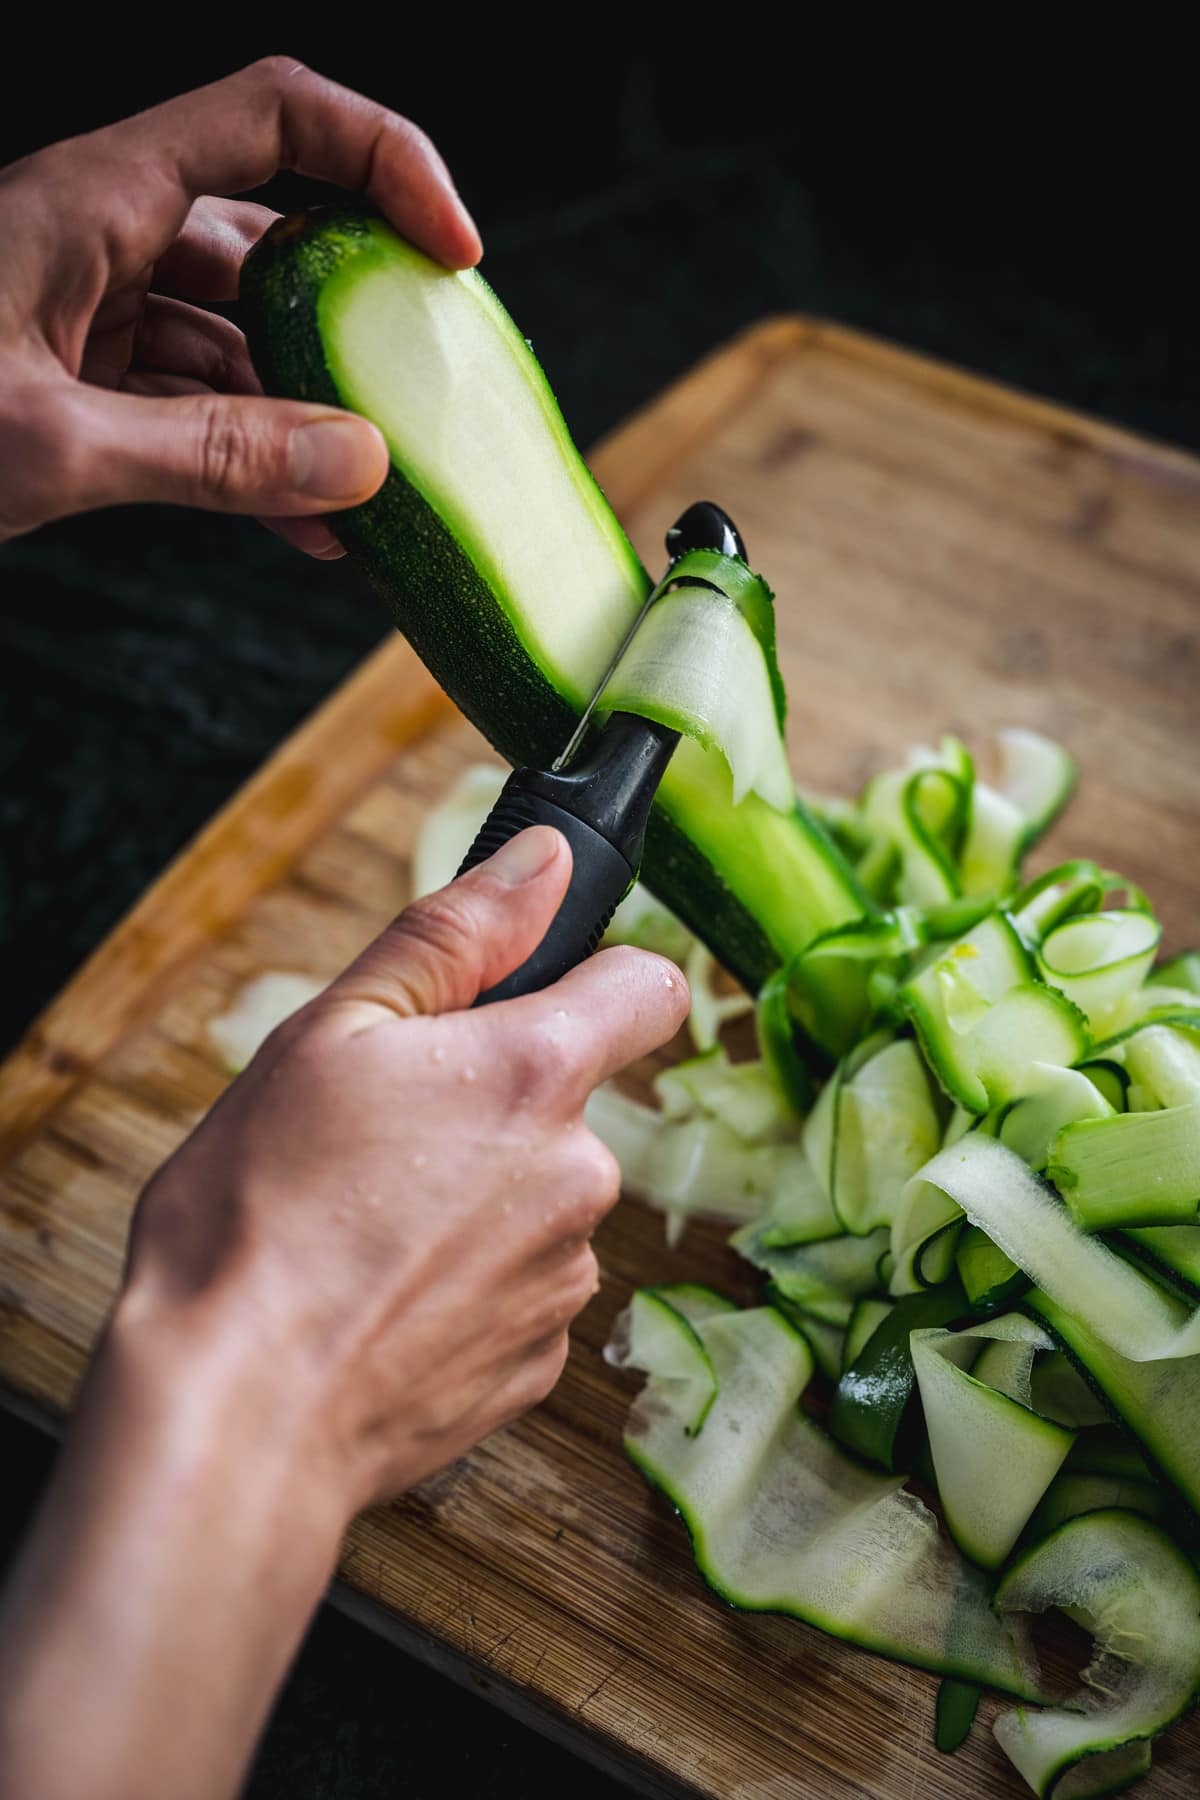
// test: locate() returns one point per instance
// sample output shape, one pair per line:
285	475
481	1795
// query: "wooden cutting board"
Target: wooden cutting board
948	556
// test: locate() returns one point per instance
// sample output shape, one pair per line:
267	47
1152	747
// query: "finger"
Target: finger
205	261
603	1015
312	536
173	338
446	949
237	133
229	453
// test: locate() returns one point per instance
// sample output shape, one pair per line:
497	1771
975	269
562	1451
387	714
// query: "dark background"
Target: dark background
637	207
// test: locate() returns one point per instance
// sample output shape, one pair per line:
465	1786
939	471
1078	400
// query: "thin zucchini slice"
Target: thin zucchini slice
1175	1249
1073	887
1055	1097
874	1391
984	1024
1139	1596
1164	1060
991	1280
743	1096
1137	1168
1036	778
504	565
957	1704
1060	1392
1069	1496
695	664
873	1128
1026	1219
1183	971
993	1456
693	1167
826	1341
864	1319
822	1277
655	1334
1099	958
781	1520
1158	1401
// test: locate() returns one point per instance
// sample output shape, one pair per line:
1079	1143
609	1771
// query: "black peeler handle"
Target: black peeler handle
600	877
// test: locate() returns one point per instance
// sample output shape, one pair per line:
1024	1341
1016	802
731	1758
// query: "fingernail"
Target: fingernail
524	856
333	459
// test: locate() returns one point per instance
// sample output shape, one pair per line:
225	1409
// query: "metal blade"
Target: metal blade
577	736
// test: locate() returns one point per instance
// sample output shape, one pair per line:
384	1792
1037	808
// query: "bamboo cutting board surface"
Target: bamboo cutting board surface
948	556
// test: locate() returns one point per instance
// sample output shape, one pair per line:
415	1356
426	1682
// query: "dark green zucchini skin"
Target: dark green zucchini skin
417	566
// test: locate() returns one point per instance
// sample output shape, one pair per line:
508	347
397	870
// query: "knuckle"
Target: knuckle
535	1071
439	928
585	1278
275	69
231	456
546	1366
412	136
598	1174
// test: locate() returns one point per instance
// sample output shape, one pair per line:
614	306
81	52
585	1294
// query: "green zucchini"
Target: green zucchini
1134	1168
866	1316
1183	971
826	1341
994	1457
1026	1219
1070	1495
782	1520
991	1280
984	1022
874	1391
1123	1579
1159	1402
506	568
957	1704
1054	1097
1099	958
698	1166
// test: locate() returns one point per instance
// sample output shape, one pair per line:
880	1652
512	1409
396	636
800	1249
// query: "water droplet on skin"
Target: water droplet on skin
373	1201
506	1207
668	979
419	1159
517	1175
560	1012
468	1074
437	1054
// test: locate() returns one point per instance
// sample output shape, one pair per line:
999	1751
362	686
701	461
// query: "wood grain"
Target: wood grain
947	556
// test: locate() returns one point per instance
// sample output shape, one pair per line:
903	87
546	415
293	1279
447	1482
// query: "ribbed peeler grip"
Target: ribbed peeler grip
600	878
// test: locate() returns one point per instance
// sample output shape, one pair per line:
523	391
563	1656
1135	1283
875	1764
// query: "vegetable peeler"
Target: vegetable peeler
598	796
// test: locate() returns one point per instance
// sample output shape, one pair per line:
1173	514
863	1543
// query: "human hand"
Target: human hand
114	387
388	1214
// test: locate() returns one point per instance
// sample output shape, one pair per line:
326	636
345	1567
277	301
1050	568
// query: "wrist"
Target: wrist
189	1532
227	1408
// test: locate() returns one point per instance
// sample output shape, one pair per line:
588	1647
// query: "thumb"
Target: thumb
446	949
235	453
